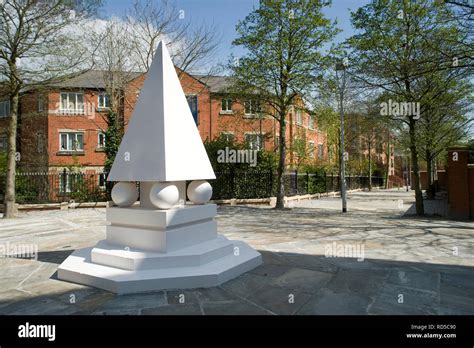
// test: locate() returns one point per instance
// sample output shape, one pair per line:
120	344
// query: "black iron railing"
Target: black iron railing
33	187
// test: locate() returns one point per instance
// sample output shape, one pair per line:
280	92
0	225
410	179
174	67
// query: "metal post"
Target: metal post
296	182
64	184
307	183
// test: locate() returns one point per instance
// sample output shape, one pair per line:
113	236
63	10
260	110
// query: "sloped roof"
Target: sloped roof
90	79
216	84
162	142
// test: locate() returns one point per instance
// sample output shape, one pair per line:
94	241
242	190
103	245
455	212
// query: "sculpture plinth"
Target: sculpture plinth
169	239
164	249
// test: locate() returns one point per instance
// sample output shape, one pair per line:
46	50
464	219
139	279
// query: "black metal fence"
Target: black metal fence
32	187
264	184
91	187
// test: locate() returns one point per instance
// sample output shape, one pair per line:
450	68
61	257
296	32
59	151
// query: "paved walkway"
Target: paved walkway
371	260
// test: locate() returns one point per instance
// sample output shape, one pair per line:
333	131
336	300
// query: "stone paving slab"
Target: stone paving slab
309	263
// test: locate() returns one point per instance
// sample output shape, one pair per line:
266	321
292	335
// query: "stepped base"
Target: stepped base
80	267
135	259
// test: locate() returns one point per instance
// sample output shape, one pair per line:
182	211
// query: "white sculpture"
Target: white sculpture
124	194
164	195
199	191
159	243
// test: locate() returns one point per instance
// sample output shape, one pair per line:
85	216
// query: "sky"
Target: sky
225	14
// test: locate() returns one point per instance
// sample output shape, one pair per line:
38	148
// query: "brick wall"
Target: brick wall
460	192
33	134
39	131
89	124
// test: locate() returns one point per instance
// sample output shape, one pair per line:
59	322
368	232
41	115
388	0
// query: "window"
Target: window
320	151
252	107
4	108
254	141
311	149
193	106
40	103
71	141
228	136
72	103
39	142
102	180
100	140
3	143
65	182
104	101
226	105
299	117
277	142
310	122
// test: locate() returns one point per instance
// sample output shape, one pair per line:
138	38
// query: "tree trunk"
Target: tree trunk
11	159
280	204
387	174
430	191
370	164
416	170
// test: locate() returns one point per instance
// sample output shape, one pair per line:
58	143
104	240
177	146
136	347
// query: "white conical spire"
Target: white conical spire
162	142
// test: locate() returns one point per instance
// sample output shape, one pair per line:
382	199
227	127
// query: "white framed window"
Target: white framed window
310	122
104	101
252	107
4	108
65	183
71	141
311	149
320	151
72	103
40	102
3	143
228	136
102	180
100	140
226	105
254	141
299	117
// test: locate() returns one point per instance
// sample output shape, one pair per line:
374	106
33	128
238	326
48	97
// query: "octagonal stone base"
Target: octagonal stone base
163	249
79	268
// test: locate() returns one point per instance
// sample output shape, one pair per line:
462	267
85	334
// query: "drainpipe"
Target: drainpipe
210	116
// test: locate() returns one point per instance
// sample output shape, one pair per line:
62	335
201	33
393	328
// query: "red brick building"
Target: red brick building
62	126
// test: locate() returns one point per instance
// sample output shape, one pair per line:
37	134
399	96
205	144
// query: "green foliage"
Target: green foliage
470	146
283	39
284	61
240	180
84	188
113	137
266	161
3	162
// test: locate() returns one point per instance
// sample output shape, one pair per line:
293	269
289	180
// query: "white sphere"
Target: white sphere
124	194
164	195
199	191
